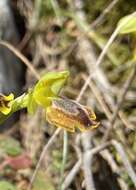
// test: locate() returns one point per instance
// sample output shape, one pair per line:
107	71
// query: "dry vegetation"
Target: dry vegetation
70	35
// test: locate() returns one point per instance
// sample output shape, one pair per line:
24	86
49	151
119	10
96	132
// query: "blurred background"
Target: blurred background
57	35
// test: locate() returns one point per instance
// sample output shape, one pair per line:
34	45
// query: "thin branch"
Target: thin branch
100	19
100	148
99	98
119	104
125	161
87	169
87	161
46	147
87	165
125	121
71	176
114	167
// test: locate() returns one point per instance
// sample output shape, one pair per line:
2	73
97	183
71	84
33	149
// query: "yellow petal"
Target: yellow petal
5	110
5	101
9	97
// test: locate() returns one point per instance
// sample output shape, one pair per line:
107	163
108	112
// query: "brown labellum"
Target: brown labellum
71	115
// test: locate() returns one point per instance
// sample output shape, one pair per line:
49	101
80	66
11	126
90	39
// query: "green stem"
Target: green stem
20	102
65	151
17	104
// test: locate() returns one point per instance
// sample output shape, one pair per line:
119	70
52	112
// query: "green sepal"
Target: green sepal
48	87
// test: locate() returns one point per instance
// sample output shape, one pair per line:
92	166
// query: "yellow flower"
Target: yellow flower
5	103
71	115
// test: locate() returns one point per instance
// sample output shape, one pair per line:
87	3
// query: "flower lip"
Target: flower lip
73	113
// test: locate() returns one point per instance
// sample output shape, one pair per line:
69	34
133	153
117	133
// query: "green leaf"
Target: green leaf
4	185
10	146
48	87
127	24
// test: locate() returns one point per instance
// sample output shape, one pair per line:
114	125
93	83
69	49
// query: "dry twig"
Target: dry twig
119	104
70	177
125	161
45	149
21	57
100	19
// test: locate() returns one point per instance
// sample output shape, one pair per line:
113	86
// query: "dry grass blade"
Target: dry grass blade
21	57
45	149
